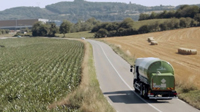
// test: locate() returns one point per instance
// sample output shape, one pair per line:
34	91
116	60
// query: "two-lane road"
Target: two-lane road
116	84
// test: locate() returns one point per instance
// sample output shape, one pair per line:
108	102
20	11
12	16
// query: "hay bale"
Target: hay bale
154	42
193	51
186	51
150	39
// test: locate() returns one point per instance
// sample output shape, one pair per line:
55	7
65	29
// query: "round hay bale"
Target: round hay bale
150	39
193	51
154	42
186	51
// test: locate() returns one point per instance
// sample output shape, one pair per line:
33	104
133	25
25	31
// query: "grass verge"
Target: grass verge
121	53
87	97
187	93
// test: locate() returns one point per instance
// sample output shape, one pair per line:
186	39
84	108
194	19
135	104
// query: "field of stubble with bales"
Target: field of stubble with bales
186	66
35	72
168	47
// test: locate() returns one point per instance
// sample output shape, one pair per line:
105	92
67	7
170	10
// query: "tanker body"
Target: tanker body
154	78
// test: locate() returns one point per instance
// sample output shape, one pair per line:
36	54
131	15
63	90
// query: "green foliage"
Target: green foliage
101	33
41	29
187	11
84	25
65	27
197	17
36	29
36	72
114	28
127	23
183	11
128	27
144	29
52	30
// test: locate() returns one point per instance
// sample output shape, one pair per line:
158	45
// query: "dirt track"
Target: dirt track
187	67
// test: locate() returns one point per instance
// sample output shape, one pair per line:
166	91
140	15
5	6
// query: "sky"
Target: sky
6	4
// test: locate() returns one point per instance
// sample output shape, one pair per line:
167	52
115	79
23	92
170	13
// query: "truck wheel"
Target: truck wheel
145	92
136	90
141	89
135	87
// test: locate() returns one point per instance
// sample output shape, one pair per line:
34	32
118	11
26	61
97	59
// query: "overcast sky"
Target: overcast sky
5	4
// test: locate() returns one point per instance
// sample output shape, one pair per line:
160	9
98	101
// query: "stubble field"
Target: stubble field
186	66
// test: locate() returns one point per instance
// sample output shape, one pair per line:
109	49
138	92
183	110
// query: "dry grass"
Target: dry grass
87	97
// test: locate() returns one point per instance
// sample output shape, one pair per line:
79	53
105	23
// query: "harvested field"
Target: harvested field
186	66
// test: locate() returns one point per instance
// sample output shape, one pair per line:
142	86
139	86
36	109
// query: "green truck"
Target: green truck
154	78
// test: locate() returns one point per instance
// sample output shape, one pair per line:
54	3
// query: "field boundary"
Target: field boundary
88	96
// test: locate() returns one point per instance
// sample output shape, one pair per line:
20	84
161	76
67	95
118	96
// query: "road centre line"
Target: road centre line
125	81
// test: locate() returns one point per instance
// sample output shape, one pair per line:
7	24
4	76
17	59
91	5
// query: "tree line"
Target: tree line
182	11
50	29
126	27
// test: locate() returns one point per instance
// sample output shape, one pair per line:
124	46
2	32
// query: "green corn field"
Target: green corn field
35	72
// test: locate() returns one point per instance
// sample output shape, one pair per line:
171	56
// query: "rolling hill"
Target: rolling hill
81	10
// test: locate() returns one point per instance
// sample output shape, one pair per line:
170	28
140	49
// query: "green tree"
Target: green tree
143	17
127	23
44	30
197	17
185	22
102	33
36	29
153	15
144	29
52	30
65	27
154	27
194	23
187	11
188	22
163	26
175	23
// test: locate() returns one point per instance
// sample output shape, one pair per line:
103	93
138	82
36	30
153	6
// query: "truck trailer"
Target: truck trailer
154	78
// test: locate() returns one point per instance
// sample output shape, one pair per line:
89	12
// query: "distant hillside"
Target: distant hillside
82	10
25	13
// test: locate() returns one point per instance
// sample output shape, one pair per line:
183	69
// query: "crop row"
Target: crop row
38	72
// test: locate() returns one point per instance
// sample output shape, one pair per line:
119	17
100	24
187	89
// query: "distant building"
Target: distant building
25	23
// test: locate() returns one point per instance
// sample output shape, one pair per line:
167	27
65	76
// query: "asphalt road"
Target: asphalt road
116	84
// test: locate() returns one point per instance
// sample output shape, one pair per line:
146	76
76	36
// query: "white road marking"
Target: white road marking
125	81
